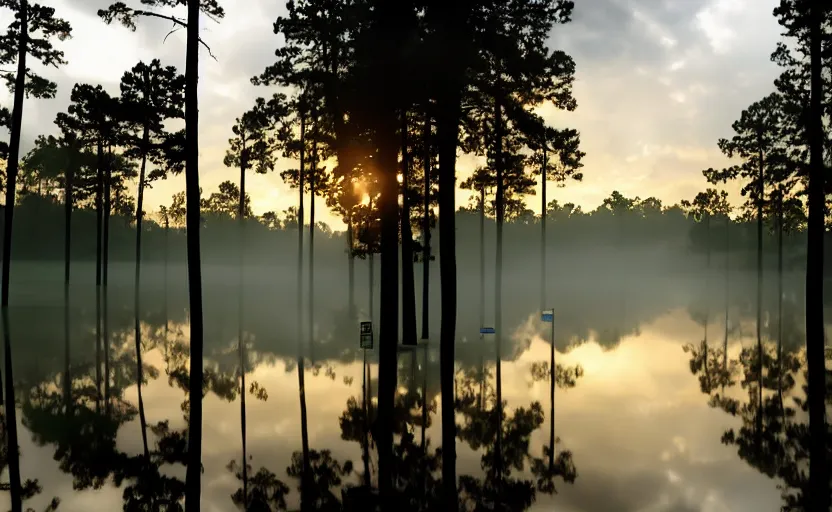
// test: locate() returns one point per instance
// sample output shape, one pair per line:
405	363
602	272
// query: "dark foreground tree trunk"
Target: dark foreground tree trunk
452	17
193	475
426	231
815	339
12	451
408	277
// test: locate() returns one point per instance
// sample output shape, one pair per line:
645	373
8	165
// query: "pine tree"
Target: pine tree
127	16
31	34
150	96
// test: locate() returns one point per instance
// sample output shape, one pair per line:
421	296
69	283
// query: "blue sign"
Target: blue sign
487	330
548	316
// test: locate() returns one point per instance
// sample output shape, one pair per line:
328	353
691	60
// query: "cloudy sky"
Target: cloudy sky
658	82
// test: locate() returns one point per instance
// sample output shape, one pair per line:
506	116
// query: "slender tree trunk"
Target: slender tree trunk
137	294
447	126
193	476
99	252
68	192
241	245
498	314
12	450
780	301
304	433
389	312
165	282
351	265
543	227
482	256
313	169
727	296
426	232
108	179
408	275
760	199
424	402
815	336
365	442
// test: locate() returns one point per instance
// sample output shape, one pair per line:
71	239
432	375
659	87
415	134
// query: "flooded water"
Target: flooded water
635	427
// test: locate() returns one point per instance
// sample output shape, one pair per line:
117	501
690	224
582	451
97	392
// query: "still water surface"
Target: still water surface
640	431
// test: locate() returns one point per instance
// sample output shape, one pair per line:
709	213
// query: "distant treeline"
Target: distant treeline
269	239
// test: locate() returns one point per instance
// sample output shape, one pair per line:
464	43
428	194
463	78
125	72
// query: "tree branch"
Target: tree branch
175	21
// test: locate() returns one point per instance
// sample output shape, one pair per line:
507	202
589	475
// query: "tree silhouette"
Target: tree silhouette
127	17
803	84
29	35
150	95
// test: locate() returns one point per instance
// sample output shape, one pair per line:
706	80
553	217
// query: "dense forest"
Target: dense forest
372	103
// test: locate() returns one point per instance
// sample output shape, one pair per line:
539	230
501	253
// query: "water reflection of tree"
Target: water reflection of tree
498	489
30	488
773	434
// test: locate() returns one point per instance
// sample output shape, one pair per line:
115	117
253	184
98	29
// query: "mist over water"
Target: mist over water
639	430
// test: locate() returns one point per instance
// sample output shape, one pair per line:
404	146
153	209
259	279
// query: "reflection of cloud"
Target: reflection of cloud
642	435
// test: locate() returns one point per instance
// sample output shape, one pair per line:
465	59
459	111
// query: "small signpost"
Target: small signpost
548	316
487	330
366	335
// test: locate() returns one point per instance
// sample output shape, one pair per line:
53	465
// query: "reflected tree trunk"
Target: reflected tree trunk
365	441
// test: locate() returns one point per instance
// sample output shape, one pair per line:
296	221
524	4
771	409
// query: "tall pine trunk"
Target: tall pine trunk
193	476
305	476
426	231
351	265
12	451
815	336
448	118
727	295
105	281
408	277
68	193
760	199
389	294
543	228
313	170
137	293
780	302
241	245
99	252
498	292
